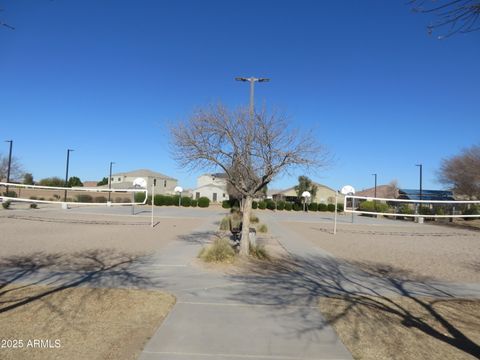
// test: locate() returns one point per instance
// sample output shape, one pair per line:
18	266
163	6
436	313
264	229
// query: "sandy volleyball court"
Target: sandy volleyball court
439	252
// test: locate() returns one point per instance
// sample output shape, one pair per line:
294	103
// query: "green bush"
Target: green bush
425	210
439	210
258	251
297	207
186	201
254	204
331	207
6	204
10	193
322	207
194	203
100	199
473	210
203	202
175	200
52	181
226	204
84	198
313	206
280	205
405	209
139	197
271	205
288	206
33	206
262	205
339	207
374	206
219	251
33	198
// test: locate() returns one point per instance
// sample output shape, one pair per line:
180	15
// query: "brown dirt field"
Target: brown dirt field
76	317
34	231
439	252
405	328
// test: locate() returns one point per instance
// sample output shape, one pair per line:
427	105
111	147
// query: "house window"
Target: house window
214	197
164	183
223	194
119	179
197	195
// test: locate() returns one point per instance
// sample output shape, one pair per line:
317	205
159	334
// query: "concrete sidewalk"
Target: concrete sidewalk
216	318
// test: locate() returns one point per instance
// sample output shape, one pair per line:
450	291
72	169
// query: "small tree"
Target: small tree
305	184
52	181
104	181
16	169
462	172
251	150
28	179
74	181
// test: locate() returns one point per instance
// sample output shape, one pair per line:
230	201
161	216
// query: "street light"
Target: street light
375	185
252	80
9	163
421	170
66	174
110	180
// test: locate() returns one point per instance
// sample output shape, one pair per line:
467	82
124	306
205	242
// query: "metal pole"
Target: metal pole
153	197
66	174
335	215
375	184
421	176
9	163
353	208
110	181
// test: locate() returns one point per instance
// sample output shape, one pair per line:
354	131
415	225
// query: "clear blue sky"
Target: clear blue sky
105	77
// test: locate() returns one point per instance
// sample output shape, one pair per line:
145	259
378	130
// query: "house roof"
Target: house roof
210	186
383	191
144	173
293	188
414	194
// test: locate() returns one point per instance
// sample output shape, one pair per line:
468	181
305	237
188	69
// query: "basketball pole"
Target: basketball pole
335	215
153	199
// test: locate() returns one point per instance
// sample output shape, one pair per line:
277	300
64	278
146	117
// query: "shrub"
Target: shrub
439	210
297	207
203	202
280	205
271	205
139	197
254	219
175	200
219	251
288	206
186	201
262	228
225	223
33	206
56	196
473	210
313	206
6	204
374	206
262	205
85	198
194	203
339	207
33	198
226	204
254	204
331	207
100	199
258	251
10	193
322	207
405	209
52	181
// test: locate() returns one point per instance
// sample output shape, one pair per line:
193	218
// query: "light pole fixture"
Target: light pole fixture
9	162
110	180
252	80
66	174
375	185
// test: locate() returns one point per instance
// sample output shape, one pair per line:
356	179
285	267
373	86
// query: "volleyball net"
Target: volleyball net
72	195
408	208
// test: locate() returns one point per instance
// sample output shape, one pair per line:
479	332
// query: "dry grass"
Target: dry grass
88	323
220	251
406	328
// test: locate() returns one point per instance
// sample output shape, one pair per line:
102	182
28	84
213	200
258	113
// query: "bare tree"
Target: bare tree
16	169
462	172
391	192
455	16
250	150
4	24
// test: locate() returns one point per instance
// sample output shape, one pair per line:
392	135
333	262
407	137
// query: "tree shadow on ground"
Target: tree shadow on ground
46	274
199	237
301	281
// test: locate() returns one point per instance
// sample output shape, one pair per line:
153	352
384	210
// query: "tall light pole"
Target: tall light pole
9	162
252	80
66	174
421	170
375	185
110	180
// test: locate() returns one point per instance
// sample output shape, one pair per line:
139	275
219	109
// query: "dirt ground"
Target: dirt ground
62	232
406	328
78	323
439	252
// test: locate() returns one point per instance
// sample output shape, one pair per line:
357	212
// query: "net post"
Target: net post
335	215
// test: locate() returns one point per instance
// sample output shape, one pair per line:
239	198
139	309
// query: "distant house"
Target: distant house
212	186
383	191
163	184
324	195
414	194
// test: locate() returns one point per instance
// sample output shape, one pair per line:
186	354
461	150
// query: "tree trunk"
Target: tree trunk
245	241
